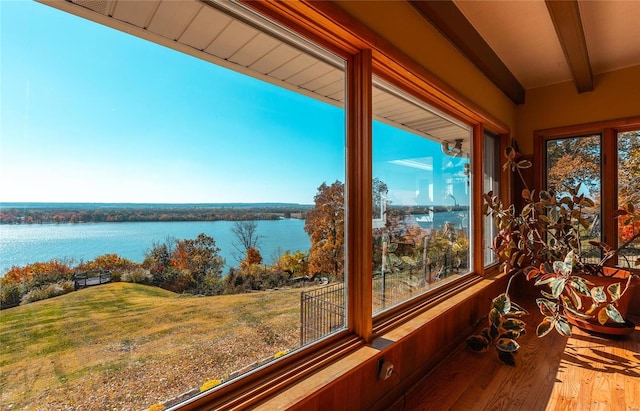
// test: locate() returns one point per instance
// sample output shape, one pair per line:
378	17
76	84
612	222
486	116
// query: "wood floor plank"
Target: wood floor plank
584	372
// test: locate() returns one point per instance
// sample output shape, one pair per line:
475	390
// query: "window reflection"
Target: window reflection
421	192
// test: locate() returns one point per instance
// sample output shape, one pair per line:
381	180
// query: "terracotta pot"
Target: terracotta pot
613	276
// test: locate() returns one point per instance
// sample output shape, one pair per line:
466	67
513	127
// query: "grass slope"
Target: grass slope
127	346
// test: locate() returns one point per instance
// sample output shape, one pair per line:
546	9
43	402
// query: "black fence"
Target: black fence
91	278
398	285
322	311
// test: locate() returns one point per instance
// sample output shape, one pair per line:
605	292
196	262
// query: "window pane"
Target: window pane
574	164
200	209
421	184
629	193
491	184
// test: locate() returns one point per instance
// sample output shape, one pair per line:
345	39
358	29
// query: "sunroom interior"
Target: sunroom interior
457	72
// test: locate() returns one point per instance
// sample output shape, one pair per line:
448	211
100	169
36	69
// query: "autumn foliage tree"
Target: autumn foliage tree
295	264
200	258
629	168
325	226
629	188
252	258
574	161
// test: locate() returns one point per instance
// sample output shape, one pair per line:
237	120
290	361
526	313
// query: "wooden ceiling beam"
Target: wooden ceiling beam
449	20
565	15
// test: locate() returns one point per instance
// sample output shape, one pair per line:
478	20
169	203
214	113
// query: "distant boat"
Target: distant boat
424	219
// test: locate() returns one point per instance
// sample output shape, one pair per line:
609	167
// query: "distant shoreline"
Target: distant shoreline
62	213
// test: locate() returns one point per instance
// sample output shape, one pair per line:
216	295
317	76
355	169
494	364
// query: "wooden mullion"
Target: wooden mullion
359	195
477	187
609	187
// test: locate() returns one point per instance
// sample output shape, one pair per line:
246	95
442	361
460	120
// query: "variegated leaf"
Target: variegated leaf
507	358
614	314
502	303
545	326
603	317
547	295
614	291
563	327
580	285
557	286
575	300
507	345
598	295
546	279
513	324
494	317
577	313
531	272
547	308
477	343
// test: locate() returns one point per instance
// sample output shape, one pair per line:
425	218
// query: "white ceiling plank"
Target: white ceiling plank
277	57
232	38
204	28
293	67
325	79
254	50
136	12
333	89
310	73
172	17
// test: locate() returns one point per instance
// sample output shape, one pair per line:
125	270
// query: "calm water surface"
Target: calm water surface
25	244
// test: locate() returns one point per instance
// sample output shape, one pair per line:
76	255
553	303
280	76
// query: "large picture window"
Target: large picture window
422	185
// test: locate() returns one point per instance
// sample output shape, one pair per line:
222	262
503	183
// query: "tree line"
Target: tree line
59	215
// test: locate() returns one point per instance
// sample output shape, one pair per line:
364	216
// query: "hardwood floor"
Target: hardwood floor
583	372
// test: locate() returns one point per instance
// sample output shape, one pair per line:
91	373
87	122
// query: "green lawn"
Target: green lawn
127	346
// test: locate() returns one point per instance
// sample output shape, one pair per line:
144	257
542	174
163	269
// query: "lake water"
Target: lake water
29	243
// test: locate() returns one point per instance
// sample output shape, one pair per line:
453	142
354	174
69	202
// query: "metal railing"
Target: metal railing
391	288
322	311
90	278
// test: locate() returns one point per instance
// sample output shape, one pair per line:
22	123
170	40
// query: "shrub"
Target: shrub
137	276
48	291
112	262
10	294
116	276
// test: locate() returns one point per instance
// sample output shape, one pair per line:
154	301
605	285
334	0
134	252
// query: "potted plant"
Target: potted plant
544	241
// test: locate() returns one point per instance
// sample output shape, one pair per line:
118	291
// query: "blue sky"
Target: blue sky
90	114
